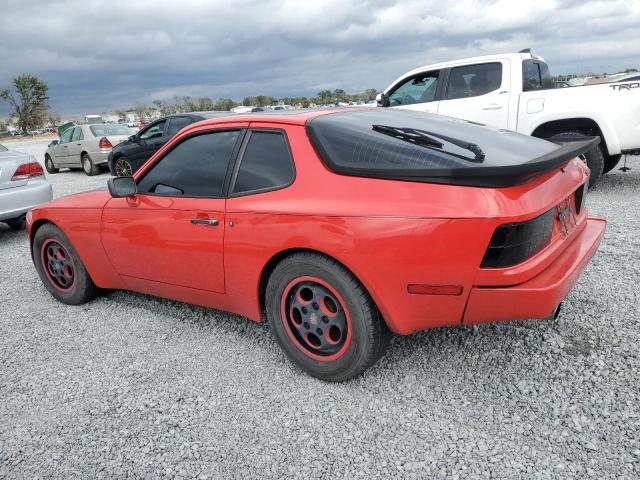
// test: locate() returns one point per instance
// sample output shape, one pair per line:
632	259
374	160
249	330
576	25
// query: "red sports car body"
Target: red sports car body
336	226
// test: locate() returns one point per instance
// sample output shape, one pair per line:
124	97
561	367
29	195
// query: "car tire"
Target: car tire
323	318
60	268
123	167
88	166
594	157
48	164
610	163
17	223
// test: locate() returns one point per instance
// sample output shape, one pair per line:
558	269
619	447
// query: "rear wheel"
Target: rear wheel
610	163
123	167
48	164
323	319
594	157
60	268
88	166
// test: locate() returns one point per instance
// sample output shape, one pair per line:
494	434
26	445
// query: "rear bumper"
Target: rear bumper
540	296
17	201
100	157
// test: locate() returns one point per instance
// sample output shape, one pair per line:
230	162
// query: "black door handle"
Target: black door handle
205	221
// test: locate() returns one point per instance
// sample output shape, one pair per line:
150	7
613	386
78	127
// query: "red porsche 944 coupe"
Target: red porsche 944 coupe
338	227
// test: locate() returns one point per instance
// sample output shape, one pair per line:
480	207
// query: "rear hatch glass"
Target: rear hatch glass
404	145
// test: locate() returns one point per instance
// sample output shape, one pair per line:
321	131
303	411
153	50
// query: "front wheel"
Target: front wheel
323	318
88	166
123	167
60	268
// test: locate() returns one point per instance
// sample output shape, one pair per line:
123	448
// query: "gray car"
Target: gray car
85	146
22	186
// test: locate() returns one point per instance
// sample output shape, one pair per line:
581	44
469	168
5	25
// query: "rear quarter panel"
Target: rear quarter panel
388	233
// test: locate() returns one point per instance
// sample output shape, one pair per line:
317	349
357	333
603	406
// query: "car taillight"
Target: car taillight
105	143
514	243
27	170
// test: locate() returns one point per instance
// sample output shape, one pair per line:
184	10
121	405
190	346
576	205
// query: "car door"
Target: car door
419	92
75	147
60	151
478	92
172	231
149	141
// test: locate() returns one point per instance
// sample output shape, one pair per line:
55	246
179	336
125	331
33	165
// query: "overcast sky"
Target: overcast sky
101	55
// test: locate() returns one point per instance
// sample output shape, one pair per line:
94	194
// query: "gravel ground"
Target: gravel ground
134	386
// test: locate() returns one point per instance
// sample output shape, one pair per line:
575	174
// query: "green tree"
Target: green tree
29	101
224	104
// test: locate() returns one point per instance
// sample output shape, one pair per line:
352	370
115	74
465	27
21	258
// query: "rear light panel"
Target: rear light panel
514	243
105	143
26	171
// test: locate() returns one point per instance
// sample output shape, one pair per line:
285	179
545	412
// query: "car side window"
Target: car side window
265	164
473	80
177	123
196	167
418	89
77	134
66	135
153	131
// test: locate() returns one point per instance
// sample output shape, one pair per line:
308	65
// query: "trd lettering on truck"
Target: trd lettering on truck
626	86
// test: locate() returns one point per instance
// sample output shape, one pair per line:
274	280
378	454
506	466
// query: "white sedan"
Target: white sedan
22	186
85	146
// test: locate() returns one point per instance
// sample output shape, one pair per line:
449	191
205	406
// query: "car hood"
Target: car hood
91	199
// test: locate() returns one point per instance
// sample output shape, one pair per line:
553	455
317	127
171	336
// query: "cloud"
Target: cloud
98	55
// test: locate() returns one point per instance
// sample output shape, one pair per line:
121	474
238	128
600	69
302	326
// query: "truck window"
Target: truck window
417	89
535	76
473	80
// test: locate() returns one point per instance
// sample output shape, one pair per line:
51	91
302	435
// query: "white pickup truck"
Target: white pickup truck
515	91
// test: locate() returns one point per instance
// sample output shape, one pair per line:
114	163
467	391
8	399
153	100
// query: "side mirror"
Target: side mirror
53	143
122	187
134	138
382	100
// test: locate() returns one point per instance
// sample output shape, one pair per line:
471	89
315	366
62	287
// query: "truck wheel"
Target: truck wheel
323	318
48	164
610	163
594	157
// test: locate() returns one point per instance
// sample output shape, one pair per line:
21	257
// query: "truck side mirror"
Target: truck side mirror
382	100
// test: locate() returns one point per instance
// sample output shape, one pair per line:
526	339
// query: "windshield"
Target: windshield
105	130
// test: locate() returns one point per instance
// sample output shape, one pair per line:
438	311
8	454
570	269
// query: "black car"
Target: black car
130	155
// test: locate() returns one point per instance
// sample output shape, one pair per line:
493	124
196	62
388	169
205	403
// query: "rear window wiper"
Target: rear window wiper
430	140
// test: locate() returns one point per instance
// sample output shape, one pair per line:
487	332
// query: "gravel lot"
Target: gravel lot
134	386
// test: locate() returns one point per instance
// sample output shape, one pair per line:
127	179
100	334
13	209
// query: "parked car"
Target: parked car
561	84
130	155
84	146
22	186
466	225
515	91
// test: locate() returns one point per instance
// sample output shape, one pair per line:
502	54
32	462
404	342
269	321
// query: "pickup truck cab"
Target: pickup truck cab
515	91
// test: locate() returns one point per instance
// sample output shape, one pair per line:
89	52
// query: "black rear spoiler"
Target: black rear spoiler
481	176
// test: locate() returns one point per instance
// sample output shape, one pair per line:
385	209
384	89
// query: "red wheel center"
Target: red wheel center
316	319
58	265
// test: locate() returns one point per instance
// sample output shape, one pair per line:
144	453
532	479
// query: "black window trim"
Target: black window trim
437	95
443	91
240	156
230	166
